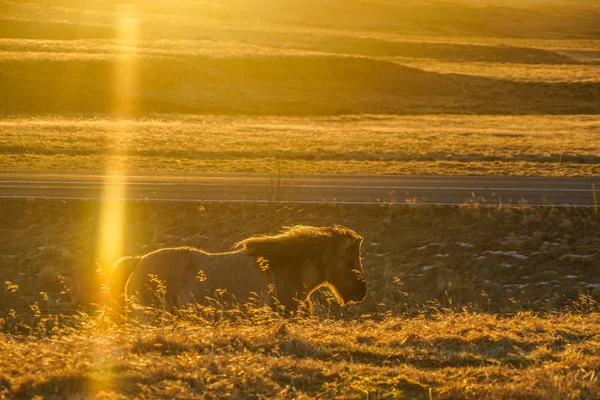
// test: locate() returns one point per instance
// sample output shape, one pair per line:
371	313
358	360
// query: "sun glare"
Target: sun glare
112	213
113	209
125	79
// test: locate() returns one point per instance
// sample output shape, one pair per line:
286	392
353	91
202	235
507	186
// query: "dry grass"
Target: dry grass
445	144
265	58
268	60
415	257
443	356
296	84
511	72
463	303
555	19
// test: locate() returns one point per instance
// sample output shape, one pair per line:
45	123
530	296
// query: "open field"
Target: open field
437	145
500	259
507	97
233	79
462	303
554	19
441	356
267	58
511	72
281	85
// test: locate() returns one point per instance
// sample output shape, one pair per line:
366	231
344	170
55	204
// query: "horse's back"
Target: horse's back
236	272
188	275
162	273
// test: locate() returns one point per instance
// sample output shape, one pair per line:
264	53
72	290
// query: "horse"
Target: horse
280	270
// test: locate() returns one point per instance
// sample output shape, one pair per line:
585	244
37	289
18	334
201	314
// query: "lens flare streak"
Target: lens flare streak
112	207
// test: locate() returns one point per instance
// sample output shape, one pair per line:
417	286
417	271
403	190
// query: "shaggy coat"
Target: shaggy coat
278	269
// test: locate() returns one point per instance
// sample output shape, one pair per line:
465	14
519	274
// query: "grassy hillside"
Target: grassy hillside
438	145
264	57
552	19
288	85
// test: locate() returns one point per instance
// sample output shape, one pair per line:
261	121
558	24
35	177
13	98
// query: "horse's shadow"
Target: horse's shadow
454	351
431	354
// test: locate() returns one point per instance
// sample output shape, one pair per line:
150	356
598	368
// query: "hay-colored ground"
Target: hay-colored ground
444	356
267	58
453	293
354	58
512	72
495	259
438	145
463	303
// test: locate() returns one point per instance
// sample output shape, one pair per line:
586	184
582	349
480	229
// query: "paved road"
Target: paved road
352	189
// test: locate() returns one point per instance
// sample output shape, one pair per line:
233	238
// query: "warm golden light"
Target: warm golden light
140	140
112	213
126	64
111	224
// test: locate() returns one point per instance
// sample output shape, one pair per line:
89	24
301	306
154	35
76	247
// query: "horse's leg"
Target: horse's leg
291	305
134	310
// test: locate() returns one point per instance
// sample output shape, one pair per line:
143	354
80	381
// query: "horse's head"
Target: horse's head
345	271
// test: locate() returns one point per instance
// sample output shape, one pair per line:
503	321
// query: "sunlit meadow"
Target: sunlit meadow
465	302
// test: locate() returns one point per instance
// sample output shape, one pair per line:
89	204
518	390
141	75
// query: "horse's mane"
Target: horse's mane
297	243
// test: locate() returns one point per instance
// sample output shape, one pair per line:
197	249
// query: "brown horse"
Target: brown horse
282	269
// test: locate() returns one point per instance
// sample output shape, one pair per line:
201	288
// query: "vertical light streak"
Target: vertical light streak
112	207
112	213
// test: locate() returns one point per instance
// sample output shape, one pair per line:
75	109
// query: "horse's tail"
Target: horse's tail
117	280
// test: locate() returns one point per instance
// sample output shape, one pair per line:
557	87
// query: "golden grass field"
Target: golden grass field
538	145
262	57
363	87
463	302
456	355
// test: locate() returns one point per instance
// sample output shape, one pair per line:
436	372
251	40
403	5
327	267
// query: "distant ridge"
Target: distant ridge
277	85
